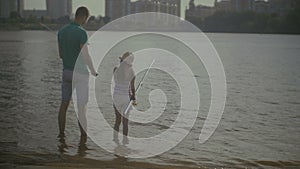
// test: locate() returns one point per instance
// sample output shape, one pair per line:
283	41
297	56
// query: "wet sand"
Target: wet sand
57	161
45	161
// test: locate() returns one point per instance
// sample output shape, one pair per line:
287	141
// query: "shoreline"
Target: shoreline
49	161
245	33
55	161
56	27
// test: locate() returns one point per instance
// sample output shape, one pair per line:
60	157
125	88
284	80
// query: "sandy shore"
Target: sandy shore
44	161
80	166
62	161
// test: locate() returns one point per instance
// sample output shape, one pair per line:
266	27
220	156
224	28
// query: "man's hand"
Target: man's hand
88	60
94	73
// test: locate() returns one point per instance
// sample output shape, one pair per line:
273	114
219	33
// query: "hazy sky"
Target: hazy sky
97	6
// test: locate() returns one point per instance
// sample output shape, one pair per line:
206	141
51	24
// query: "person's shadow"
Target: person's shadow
82	147
121	151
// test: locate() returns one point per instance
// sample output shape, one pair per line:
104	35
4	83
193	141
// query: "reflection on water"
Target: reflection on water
63	146
260	125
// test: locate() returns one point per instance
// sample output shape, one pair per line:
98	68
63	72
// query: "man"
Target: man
72	47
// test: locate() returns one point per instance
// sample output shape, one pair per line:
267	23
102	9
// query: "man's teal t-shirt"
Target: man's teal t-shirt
70	37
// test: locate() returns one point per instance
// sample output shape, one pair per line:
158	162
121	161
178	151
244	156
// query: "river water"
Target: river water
260	126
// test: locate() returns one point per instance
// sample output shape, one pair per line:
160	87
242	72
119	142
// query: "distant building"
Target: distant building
115	9
242	5
224	5
164	6
281	7
54	9
261	6
234	5
20	7
35	13
144	6
199	11
59	8
169	6
8	6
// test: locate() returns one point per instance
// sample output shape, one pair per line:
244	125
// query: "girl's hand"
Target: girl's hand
132	97
134	102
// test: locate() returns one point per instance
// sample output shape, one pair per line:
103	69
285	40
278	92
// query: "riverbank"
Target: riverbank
40	26
46	161
95	27
57	161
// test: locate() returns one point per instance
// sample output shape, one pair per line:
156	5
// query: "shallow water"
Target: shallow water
259	127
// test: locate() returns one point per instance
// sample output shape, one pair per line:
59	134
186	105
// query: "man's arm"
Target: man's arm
88	60
59	50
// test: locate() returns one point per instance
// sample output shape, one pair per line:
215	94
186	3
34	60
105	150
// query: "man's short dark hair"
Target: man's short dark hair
81	12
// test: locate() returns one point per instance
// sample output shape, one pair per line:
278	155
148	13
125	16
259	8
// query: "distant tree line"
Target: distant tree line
15	21
220	21
250	22
15	17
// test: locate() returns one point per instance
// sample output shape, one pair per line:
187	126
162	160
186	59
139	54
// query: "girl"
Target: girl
124	91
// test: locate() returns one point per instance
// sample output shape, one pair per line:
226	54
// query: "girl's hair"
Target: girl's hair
124	56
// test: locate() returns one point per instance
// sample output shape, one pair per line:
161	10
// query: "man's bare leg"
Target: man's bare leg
82	119
62	118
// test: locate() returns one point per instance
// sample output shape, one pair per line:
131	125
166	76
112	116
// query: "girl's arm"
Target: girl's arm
132	87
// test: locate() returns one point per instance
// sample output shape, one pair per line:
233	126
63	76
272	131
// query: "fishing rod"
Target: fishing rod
138	87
